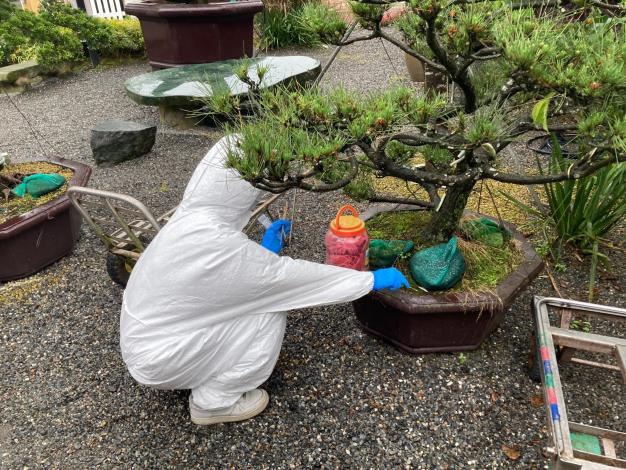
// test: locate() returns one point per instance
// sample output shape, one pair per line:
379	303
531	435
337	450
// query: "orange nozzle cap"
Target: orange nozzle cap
347	225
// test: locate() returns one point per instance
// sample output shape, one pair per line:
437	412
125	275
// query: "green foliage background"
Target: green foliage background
53	36
309	24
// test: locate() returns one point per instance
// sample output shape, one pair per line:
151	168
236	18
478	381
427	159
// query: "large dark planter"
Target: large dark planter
179	34
445	322
38	238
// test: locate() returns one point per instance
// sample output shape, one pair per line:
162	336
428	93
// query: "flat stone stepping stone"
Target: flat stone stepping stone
180	87
117	141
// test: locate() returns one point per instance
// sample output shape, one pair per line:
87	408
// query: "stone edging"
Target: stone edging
16	77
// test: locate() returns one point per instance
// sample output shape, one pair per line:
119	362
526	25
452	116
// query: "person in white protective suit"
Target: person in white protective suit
205	307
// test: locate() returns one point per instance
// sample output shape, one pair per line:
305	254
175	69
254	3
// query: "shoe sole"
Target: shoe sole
234	418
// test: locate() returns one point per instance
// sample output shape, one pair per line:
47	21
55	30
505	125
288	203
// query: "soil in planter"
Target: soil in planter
480	199
485	266
16	206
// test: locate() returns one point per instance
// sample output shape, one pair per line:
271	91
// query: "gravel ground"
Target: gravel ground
338	396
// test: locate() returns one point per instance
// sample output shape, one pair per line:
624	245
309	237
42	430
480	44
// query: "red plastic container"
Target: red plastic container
347	241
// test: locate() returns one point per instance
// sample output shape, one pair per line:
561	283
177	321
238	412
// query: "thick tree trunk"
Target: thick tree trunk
445	221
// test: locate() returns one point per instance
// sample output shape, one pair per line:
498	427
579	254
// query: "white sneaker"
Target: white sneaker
249	405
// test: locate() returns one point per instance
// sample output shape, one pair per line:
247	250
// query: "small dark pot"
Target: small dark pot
445	322
180	34
38	238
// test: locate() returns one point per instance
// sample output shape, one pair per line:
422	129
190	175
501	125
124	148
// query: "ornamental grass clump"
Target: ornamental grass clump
518	68
308	24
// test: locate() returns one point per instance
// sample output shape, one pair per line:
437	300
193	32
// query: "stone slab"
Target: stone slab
116	141
183	86
11	73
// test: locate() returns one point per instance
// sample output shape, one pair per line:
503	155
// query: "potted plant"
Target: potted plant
36	232
195	32
539	69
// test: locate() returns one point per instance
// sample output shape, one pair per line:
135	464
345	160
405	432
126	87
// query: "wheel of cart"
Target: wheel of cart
575	445
126	226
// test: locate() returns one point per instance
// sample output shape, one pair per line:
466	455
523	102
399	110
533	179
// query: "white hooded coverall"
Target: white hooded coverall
204	308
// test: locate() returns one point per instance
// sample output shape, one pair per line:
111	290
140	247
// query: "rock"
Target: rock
180	87
11	73
117	141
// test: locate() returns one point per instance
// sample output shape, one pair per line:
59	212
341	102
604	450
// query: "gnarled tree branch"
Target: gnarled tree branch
413	53
576	172
401	200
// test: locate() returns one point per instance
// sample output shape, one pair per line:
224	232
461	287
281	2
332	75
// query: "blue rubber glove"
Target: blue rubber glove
273	237
389	278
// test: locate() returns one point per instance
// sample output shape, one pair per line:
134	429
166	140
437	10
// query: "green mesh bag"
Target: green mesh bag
39	184
484	230
439	267
384	253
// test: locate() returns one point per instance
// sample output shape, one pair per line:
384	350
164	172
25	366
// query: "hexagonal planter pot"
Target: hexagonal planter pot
41	236
179	33
445	322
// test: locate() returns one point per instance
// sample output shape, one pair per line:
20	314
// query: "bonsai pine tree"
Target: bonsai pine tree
516	68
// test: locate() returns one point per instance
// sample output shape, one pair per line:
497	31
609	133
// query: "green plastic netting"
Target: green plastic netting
384	253
39	184
439	267
484	230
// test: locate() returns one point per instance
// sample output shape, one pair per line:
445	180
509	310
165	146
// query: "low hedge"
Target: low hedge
54	36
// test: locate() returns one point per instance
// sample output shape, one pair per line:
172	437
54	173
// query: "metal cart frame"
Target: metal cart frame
551	339
128	238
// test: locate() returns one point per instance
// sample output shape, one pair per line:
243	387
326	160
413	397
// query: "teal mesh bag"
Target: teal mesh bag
384	253
484	230
439	267
39	184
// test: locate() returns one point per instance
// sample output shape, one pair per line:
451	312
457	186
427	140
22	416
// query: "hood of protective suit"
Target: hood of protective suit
219	192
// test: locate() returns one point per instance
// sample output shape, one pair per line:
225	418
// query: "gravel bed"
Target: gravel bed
339	398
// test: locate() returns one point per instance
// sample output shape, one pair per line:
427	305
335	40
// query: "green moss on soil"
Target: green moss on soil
401	225
486	266
17	206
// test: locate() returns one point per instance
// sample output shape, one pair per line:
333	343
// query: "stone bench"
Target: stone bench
176	90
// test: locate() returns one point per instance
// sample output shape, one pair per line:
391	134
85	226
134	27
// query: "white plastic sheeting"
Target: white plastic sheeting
204	305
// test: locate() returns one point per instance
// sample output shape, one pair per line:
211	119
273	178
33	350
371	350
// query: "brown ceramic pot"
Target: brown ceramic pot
445	322
179	33
38	238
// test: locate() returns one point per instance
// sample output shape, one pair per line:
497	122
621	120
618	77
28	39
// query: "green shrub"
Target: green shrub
321	21
6	8
280	29
582	211
54	36
127	37
111	38
308	25
25	35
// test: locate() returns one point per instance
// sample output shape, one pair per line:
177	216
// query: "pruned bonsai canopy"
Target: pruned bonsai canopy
519	67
